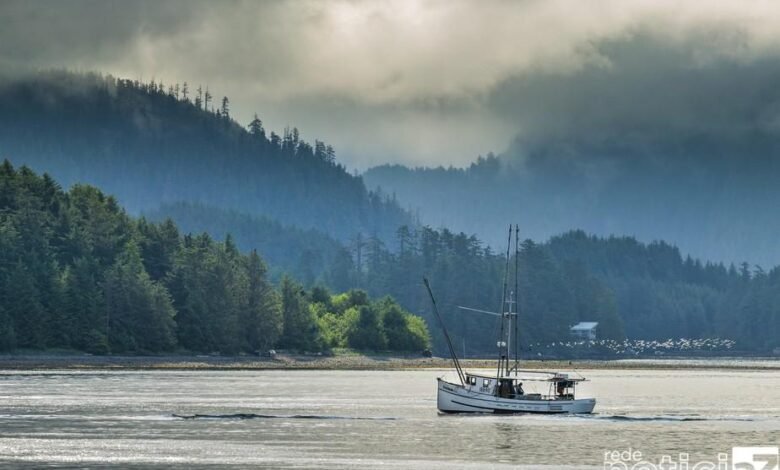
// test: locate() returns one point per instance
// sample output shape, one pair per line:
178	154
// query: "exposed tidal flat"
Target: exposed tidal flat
356	361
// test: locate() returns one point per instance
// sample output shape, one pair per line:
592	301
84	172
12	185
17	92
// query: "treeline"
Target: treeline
352	320
634	290
306	255
463	272
151	143
712	195
77	272
662	294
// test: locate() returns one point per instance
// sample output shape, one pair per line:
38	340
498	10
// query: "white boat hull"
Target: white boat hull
454	398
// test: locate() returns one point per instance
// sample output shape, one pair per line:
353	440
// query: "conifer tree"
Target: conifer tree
225	108
256	128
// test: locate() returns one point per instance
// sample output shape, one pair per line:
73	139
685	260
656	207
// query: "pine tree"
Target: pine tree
140	312
256	128
262	316
225	109
300	329
207	99
25	309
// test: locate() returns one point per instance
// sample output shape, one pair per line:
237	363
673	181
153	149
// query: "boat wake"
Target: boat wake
666	418
265	416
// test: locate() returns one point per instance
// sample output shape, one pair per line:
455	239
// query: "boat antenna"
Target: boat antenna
446	335
503	348
517	297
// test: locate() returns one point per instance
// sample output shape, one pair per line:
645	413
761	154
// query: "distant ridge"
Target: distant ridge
714	197
304	254
148	143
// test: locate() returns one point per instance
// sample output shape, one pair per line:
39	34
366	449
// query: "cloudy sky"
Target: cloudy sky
431	82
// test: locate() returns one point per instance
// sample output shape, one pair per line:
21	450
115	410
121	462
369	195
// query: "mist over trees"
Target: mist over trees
660	145
634	290
78	272
711	195
306	255
151	143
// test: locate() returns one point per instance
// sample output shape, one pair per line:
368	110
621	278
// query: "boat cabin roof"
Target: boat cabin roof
533	376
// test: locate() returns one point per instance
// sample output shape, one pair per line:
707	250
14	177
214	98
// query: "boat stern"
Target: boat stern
583	406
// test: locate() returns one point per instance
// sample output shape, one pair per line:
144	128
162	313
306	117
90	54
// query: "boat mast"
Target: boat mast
517	299
503	343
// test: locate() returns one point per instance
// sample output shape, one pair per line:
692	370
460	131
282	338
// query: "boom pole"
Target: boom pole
446	334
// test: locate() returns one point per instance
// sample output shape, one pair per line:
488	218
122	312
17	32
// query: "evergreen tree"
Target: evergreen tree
262	315
300	331
225	108
140	313
368	333
256	128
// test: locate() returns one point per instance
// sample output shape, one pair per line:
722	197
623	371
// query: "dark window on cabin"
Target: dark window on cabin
486	382
473	380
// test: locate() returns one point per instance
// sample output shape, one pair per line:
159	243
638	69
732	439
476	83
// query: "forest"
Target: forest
304	254
238	233
713	198
148	144
634	290
78	273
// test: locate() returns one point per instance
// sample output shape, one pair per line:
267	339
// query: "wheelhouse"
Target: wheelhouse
542	386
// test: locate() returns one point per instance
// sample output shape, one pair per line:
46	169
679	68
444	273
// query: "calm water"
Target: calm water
350	419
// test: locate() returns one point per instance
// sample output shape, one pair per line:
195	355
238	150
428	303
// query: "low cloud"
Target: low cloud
432	82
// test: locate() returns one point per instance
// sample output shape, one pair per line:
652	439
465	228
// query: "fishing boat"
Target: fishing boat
503	392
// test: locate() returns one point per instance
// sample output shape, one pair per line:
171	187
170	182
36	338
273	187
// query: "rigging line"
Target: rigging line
478	310
446	334
501	352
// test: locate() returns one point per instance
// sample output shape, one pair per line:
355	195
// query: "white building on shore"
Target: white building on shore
584	330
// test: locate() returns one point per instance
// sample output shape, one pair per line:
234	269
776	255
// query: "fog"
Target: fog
428	82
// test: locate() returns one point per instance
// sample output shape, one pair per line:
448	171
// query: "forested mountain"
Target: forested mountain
634	290
77	272
306	255
661	294
148	143
712	195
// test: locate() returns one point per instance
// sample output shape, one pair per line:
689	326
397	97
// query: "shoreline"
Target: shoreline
360	362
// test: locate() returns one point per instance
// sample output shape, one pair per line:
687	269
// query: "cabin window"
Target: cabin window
486	383
473	380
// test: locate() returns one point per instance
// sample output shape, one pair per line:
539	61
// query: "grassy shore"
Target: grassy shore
349	361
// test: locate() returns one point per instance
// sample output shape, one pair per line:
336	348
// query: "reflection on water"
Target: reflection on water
363	419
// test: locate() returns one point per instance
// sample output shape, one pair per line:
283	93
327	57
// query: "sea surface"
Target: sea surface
368	419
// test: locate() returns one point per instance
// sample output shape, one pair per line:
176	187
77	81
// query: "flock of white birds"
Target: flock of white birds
641	346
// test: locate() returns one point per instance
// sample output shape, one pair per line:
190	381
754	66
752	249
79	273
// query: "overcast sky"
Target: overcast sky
435	82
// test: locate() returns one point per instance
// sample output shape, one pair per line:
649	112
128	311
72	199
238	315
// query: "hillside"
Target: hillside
74	262
78	273
714	197
307	255
150	144
634	290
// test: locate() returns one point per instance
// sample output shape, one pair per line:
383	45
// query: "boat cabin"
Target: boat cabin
558	386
